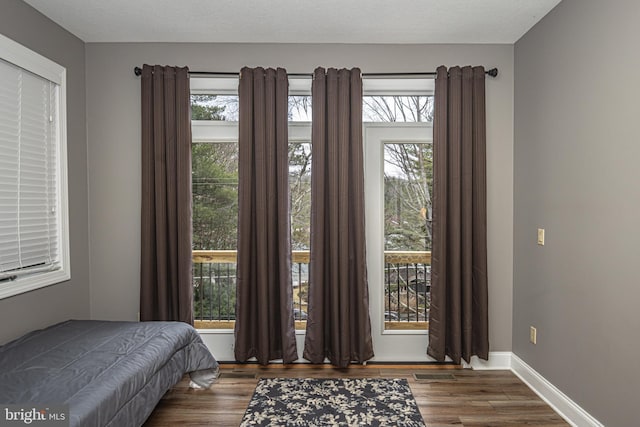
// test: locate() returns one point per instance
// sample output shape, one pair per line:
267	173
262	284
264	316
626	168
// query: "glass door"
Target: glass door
398	182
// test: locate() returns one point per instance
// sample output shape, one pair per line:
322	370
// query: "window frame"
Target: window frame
32	62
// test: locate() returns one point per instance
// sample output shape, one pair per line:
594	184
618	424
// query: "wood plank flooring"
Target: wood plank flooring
471	398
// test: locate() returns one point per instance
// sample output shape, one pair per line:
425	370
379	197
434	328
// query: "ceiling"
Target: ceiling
297	21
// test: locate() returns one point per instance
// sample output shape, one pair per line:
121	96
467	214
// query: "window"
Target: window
394	106
214	179
214	113
398	119
34	249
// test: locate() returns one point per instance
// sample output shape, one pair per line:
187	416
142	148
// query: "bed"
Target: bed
108	373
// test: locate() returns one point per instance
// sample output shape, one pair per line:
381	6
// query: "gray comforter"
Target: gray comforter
109	373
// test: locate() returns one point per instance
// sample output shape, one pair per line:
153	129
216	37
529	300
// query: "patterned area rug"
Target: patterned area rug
332	402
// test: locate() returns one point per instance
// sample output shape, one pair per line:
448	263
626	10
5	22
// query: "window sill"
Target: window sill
227	326
30	283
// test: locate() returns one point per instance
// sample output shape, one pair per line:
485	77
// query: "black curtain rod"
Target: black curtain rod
492	72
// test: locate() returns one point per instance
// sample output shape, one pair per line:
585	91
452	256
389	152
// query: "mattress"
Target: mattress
108	373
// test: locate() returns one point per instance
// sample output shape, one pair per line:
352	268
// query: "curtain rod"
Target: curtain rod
492	72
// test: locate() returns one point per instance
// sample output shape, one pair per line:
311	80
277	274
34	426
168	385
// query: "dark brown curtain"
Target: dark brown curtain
264	306
338	325
165	266
458	317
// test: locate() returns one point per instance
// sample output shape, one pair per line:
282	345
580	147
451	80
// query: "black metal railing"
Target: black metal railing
407	287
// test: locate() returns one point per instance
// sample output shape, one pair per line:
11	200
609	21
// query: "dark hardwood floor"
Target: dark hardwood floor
461	398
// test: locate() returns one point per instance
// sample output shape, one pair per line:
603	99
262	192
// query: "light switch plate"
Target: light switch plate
541	236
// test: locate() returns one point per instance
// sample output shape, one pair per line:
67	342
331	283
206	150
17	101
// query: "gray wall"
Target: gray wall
113	111
577	147
43	307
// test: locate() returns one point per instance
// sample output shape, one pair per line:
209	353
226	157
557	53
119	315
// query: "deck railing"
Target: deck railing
407	286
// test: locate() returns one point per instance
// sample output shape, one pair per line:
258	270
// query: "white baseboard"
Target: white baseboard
498	360
560	402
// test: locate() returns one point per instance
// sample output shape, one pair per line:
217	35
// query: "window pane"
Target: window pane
215	225
225	107
299	108
417	108
408	179
214	107
300	193
215	195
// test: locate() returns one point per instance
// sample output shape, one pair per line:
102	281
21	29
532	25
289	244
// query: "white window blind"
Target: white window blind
29	234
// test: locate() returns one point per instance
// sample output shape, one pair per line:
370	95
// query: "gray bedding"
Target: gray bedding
109	373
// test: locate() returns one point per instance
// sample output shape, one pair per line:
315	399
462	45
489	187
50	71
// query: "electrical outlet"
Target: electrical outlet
541	236
533	335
